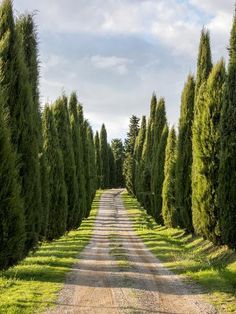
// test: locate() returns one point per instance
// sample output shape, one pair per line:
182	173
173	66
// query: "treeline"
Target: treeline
47	159
188	179
109	161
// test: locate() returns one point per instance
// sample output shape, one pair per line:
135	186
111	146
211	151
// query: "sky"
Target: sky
115	53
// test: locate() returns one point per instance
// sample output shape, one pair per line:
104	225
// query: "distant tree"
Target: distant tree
138	149
184	157
112	168
227	176
168	192
104	158
98	159
58	193
118	152
129	163
62	121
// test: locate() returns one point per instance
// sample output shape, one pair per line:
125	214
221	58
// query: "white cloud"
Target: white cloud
114	63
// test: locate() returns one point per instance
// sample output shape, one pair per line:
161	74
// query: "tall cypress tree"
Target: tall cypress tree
78	152
12	223
168	192
28	35
62	121
204	67
17	99
227	176
138	157
207	151
160	133
129	162
58	193
83	132
118	152
98	159
112	168
147	158
184	157
204	62
104	158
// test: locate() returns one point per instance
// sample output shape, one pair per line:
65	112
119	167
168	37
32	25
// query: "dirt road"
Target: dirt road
117	274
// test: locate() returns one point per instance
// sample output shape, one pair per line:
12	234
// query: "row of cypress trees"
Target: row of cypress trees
47	159
189	179
109	161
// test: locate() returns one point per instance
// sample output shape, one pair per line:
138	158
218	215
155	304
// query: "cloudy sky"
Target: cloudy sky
115	53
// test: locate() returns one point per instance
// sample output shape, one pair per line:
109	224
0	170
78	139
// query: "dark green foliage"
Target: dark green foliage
98	159
57	220
45	192
138	158
104	158
16	93
203	71
158	176
204	63
184	157
78	152
12	224
129	162
207	152
62	121
227	176
118	152
160	133
168	191
90	171
147	159
112	168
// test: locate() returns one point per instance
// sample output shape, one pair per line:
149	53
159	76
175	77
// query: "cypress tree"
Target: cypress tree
207	151
168	191
12	224
28	35
17	99
129	162
158	176
204	62
184	157
204	67
57	186
160	133
78	152
118	152
98	159
147	159
104	158
62	121
227	175
138	157
83	132
112	168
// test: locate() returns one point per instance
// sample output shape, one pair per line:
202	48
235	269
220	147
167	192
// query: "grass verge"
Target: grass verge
214	268
33	285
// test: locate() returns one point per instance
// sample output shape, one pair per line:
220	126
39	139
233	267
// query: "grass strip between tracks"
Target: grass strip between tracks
214	268
34	284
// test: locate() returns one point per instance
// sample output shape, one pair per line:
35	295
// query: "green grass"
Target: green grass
213	268
33	285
